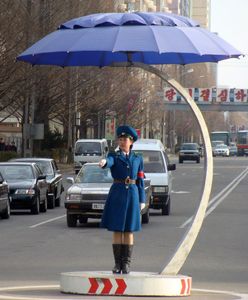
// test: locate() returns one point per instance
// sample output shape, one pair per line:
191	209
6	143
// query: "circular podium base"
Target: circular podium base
132	284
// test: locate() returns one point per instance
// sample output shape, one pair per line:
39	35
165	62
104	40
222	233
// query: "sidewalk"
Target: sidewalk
65	168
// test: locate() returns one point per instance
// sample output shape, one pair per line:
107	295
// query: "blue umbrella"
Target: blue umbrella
149	38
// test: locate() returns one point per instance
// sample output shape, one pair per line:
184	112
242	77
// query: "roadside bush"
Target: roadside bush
46	153
61	155
7	155
52	140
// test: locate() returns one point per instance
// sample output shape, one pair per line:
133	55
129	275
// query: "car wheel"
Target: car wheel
6	213
166	208
35	210
83	220
51	202
146	217
71	220
43	206
180	161
198	160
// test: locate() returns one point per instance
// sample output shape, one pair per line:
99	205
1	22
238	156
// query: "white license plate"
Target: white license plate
97	206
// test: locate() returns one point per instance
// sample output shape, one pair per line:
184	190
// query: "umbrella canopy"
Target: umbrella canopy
107	38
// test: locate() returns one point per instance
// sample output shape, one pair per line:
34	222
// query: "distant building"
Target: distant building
201	12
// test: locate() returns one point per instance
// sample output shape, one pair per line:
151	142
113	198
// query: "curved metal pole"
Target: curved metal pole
184	247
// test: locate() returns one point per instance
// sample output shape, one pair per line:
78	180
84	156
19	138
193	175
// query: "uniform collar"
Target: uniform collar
125	153
122	155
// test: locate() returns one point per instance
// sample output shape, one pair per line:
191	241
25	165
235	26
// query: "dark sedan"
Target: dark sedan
49	168
189	151
4	199
27	186
87	196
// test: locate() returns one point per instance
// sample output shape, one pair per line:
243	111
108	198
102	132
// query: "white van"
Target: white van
158	169
89	151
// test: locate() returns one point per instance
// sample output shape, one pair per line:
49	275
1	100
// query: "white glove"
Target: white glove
102	163
142	206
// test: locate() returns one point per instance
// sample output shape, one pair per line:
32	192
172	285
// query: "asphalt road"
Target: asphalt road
34	250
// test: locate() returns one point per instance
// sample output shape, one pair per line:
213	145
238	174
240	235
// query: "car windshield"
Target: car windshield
88	148
216	143
93	174
153	161
45	167
16	172
222	146
189	147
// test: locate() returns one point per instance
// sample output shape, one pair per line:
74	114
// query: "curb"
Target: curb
133	284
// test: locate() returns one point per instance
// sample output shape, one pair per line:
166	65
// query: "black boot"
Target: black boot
117	256
126	258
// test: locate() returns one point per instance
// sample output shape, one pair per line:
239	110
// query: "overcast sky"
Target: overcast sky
229	18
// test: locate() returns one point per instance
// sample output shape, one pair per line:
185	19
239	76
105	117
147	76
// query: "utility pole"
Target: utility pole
69	106
25	128
25	125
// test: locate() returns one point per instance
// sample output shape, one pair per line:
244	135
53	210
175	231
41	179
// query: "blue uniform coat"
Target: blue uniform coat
122	209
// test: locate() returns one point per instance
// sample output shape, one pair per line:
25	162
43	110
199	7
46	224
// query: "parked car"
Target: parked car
221	150
87	196
189	151
27	186
233	149
54	178
157	168
4	199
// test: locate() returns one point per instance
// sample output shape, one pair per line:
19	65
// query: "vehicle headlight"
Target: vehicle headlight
74	197
159	189
25	192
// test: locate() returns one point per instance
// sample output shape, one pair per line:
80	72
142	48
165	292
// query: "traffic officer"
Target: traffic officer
126	197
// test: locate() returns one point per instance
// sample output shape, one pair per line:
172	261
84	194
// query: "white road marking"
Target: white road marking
230	293
28	288
208	212
47	221
180	192
219	198
44	287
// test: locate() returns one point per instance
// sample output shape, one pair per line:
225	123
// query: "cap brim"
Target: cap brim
125	135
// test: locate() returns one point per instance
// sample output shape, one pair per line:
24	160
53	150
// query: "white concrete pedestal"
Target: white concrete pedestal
133	284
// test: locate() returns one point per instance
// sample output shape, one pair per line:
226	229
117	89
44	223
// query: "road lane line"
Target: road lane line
47	221
230	186
212	208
